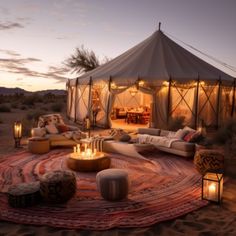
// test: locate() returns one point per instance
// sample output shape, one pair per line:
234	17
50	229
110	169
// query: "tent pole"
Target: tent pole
76	97
90	95
233	102
218	104
168	102
108	103
196	104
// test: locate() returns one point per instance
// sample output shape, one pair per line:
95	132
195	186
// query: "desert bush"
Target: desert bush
5	108
57	107
226	133
31	100
15	105
34	115
176	123
23	107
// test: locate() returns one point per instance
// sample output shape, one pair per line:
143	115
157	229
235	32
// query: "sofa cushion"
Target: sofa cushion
52	129
56	137
62	128
164	132
125	138
183	146
180	134
50	119
192	136
38	132
150	131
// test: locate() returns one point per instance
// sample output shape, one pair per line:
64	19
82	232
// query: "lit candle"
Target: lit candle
212	191
85	147
89	152
78	148
83	154
74	149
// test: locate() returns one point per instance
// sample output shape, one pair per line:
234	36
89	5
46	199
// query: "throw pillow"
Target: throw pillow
51	129
125	138
192	136
181	133
38	132
62	128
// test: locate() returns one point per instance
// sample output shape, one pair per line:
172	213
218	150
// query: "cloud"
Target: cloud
10	25
21	67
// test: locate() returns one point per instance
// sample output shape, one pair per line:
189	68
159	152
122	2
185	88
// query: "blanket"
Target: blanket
157	140
75	135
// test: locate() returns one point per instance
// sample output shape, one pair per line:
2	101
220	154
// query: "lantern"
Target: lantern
212	186
17	132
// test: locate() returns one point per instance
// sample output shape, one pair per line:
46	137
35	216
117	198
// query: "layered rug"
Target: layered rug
163	187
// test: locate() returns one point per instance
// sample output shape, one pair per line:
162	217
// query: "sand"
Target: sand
211	220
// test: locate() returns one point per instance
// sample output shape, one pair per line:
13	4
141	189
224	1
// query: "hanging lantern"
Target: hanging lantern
212	186
17	132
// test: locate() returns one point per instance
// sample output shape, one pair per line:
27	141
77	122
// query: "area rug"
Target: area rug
163	187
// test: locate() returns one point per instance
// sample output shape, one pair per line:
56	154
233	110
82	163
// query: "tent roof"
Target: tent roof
156	59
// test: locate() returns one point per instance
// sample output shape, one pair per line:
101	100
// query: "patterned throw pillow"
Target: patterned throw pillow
192	136
50	119
181	133
51	129
62	128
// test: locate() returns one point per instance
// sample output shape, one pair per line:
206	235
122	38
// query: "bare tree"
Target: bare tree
82	60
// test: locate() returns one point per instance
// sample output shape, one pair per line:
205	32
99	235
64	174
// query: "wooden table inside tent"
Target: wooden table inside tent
138	117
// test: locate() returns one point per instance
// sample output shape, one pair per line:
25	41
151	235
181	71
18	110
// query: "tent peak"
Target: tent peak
159	26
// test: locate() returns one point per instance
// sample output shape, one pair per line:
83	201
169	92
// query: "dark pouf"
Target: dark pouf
205	160
58	186
113	184
24	194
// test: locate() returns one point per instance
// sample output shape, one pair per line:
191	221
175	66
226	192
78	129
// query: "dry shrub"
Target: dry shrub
176	123
5	108
57	107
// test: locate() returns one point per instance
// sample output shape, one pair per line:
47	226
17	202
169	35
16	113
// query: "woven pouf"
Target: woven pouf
113	184
24	195
205	160
57	186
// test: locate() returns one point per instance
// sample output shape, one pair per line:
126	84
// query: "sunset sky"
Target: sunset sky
37	36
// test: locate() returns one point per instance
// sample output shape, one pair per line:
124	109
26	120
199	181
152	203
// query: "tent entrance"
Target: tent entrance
131	109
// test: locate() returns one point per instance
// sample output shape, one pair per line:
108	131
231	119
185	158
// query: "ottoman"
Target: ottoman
24	194
39	145
113	184
205	160
57	186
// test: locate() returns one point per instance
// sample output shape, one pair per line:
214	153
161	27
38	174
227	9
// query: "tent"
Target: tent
178	82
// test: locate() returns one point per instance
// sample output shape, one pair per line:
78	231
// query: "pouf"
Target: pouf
113	184
38	145
205	160
58	186
24	194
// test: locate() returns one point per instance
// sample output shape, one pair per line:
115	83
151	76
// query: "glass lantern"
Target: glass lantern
17	132
212	186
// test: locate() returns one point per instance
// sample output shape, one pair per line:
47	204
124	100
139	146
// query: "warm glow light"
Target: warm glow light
141	83
166	83
113	85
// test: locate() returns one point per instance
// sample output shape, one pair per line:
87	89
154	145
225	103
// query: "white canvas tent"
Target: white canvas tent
180	84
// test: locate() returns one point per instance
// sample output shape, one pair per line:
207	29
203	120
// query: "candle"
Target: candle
74	149
85	147
78	148
212	191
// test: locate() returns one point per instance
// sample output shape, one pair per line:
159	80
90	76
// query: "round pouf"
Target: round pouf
113	184
39	145
57	186
205	160
24	194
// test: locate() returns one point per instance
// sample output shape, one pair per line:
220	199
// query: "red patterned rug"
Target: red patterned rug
163	187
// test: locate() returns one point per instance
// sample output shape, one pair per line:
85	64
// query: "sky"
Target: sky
37	36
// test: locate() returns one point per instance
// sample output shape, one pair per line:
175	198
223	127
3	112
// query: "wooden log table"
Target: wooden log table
86	164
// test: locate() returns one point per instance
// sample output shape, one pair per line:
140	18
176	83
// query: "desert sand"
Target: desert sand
210	220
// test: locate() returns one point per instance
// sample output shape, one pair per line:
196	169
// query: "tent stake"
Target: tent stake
233	102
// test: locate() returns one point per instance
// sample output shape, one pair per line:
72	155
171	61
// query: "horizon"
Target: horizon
37	37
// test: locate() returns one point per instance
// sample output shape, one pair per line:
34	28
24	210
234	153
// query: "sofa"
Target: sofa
53	127
135	147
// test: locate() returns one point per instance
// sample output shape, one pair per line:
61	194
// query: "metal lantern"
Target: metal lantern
17	132
212	186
